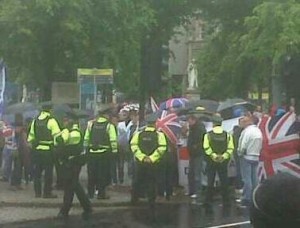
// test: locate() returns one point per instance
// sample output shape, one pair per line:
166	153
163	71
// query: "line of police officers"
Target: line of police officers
99	142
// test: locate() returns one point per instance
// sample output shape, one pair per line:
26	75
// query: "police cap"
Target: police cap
217	119
151	118
104	109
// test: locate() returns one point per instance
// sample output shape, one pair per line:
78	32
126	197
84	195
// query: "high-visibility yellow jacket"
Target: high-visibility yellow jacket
158	152
208	147
52	126
111	131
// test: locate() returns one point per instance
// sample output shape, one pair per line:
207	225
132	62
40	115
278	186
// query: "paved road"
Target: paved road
21	209
165	216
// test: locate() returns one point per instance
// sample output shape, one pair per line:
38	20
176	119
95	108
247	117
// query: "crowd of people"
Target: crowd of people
115	137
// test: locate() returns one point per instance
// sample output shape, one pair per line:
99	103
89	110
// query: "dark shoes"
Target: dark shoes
62	215
86	215
3	179
49	196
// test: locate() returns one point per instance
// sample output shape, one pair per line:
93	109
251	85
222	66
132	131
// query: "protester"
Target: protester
114	156
123	142
18	154
237	130
10	147
165	173
195	148
249	149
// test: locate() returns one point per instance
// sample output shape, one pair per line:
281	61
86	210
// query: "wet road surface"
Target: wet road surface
164	215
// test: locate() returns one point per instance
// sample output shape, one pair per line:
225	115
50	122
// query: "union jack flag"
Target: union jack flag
281	146
168	123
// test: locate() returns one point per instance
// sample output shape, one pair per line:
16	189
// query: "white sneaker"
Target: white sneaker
194	196
238	200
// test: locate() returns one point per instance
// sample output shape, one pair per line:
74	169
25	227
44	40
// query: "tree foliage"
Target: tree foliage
47	40
247	44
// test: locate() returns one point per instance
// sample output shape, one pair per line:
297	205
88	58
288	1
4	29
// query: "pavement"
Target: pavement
19	208
21	205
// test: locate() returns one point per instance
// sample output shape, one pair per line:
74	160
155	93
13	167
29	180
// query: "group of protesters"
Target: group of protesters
216	148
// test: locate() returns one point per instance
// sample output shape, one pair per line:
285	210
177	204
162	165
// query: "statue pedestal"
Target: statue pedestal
192	94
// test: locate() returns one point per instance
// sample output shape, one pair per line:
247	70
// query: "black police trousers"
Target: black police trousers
211	169
72	186
99	172
144	181
43	162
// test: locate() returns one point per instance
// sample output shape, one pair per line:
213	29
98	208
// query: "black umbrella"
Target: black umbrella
21	107
209	105
59	111
228	107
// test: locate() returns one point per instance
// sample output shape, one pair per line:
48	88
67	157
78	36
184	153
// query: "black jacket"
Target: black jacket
195	139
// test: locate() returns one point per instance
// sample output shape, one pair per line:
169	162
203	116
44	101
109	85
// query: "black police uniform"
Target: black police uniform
71	161
41	136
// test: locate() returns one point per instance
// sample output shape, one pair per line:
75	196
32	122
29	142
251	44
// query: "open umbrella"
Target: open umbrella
20	108
174	103
209	105
235	107
59	111
27	109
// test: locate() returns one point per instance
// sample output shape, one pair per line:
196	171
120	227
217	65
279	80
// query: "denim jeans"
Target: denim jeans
250	179
7	163
194	175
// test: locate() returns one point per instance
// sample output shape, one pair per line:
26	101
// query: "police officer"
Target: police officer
218	146
148	146
71	159
100	140
41	137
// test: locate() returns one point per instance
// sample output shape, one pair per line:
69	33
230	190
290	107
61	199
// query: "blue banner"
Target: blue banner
2	86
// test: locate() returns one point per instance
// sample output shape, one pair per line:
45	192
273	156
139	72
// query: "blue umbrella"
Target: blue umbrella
174	103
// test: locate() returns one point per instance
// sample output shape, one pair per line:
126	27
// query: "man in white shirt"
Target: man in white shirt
249	149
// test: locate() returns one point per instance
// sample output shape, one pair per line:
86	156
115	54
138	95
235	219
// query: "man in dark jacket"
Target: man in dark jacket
195	147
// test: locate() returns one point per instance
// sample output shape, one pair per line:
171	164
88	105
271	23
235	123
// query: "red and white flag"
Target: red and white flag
281	146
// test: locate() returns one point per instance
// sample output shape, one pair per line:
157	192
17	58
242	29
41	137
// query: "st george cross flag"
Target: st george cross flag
281	146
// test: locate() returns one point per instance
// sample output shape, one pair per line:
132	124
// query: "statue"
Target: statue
192	75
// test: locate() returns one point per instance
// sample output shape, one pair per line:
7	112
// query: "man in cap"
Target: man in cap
100	140
71	159
148	146
218	146
41	137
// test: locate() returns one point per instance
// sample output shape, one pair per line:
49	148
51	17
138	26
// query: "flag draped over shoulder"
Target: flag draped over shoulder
281	146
